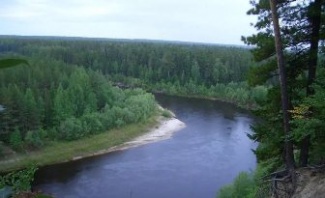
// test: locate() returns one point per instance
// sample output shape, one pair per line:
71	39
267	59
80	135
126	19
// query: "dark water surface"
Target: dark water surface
195	162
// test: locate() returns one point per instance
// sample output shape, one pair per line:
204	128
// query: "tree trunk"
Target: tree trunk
315	21
288	146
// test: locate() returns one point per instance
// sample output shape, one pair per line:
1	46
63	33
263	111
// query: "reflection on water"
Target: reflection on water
196	162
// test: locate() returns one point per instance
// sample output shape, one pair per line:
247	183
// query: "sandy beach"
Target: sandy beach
164	130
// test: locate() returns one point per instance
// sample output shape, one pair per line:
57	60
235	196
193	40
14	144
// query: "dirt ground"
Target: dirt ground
310	184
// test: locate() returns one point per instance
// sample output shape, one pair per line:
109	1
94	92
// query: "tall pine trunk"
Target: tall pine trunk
288	146
315	21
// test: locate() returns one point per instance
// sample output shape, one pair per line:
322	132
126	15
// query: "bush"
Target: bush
35	138
166	113
106	118
226	192
140	107
258	94
91	123
119	123
71	129
243	187
53	134
19	181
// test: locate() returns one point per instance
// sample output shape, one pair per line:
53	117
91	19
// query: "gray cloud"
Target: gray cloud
210	21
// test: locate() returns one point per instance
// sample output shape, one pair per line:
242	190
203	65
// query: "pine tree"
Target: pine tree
62	106
314	18
300	31
31	111
288	146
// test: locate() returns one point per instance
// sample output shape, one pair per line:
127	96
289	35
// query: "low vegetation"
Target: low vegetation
243	187
58	151
18	184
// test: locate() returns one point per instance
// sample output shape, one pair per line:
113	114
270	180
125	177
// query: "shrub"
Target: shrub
166	113
91	123
119	123
226	192
243	187
35	138
19	181
71	129
106	118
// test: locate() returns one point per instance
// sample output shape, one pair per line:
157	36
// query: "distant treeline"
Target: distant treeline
173	68
150	62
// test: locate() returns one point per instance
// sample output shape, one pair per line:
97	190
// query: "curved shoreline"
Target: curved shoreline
157	128
165	130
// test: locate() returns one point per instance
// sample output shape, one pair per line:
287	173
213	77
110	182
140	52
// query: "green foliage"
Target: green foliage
15	140
244	186
266	167
150	62
35	138
251	185
258	75
308	119
261	176
300	35
238	93
63	94
66	101
62	106
166	113
10	62
91	123
20	181
71	129
30	111
226	192
258	94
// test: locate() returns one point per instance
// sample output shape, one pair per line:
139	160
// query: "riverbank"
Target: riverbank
247	106
154	129
162	131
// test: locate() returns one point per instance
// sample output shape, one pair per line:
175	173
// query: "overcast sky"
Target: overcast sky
207	21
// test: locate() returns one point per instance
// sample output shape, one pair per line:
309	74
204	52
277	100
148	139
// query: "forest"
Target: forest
71	88
170	67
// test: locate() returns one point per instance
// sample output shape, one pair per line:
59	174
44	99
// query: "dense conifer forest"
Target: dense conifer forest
289	51
173	68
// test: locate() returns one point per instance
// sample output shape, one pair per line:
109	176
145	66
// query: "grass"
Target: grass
57	152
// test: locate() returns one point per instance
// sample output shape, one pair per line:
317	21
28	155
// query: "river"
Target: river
196	162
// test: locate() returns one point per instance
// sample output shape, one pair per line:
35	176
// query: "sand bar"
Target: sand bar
164	130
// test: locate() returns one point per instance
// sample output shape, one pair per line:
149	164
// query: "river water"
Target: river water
196	162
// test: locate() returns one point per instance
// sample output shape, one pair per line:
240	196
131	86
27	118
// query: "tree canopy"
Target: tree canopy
301	34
